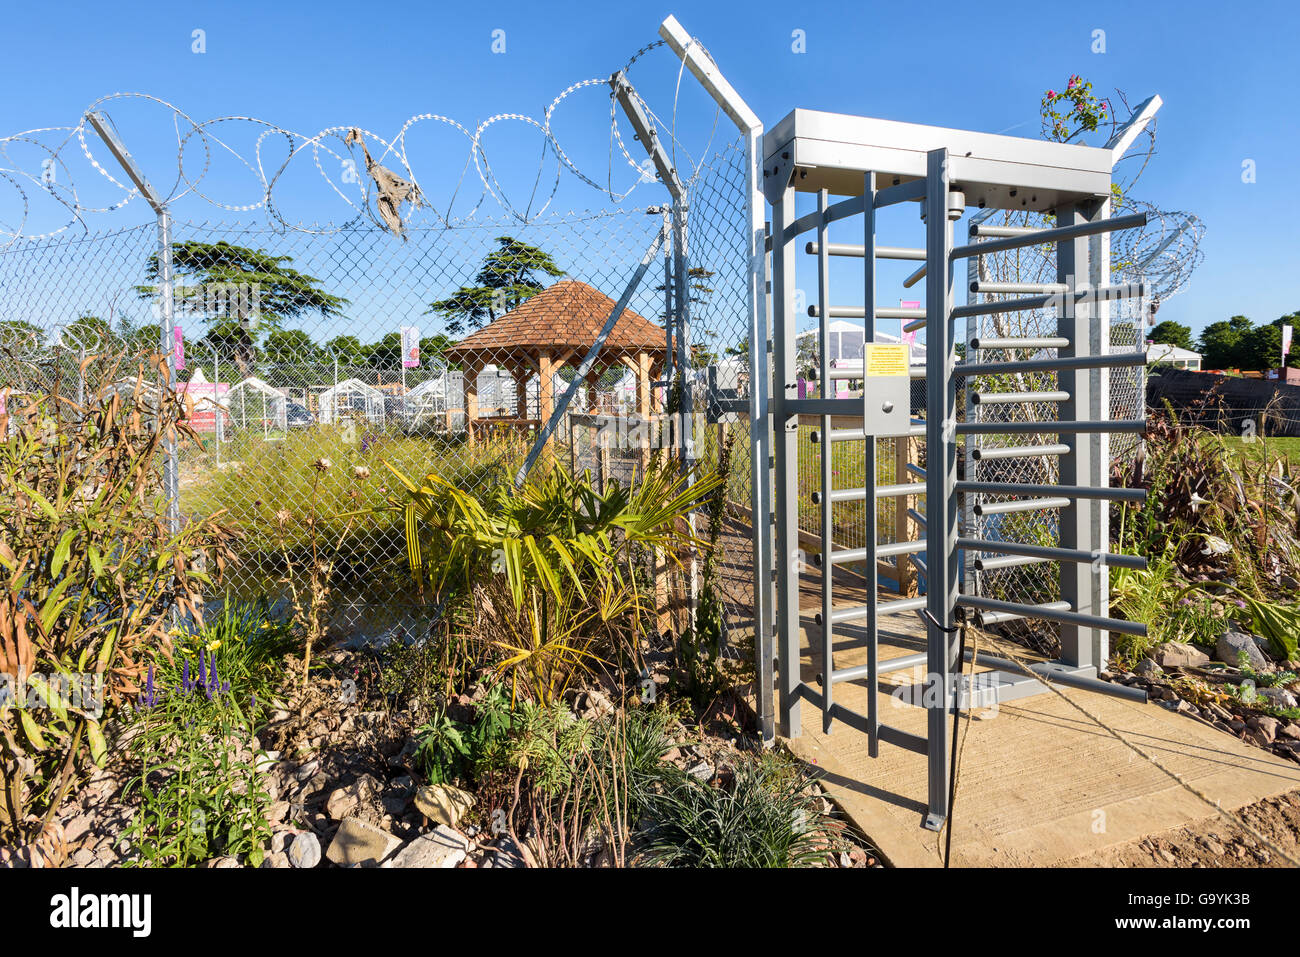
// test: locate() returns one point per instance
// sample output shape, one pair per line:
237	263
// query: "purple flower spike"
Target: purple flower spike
149	698
186	684
203	669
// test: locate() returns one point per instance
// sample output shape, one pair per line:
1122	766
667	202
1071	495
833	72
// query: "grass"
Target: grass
260	478
1260	448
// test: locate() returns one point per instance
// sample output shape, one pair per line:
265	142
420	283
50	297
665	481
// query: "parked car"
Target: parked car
297	417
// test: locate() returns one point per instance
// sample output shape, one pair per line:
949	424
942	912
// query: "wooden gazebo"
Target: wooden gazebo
554	328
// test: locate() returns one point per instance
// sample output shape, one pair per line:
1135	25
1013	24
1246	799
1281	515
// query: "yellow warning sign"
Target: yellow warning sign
886	359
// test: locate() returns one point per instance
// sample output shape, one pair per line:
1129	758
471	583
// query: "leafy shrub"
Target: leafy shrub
548	570
90	573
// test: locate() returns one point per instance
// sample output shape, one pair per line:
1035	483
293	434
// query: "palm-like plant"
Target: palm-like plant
551	568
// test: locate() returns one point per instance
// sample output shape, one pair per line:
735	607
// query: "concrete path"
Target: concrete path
1040	784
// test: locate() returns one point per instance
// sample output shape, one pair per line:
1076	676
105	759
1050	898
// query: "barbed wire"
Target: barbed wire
56	144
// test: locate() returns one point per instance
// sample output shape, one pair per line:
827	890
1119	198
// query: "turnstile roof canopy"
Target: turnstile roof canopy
833	150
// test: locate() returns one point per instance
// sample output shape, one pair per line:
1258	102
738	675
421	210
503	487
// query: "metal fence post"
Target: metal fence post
167	326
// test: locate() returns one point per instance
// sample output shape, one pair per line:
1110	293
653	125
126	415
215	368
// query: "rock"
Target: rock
77	828
399	794
360	721
278	813
509	854
1266	726
1279	697
346	801
84	857
1237	725
443	803
278	862
594	704
357	843
307	770
304	851
1232	644
1148	669
223	863
703	771
1179	654
441	847
1214	847
266	761
1290	730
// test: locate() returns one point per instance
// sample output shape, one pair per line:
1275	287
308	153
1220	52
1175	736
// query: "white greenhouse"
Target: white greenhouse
351	400
255	406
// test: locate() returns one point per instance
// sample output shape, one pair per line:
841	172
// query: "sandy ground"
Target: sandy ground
1214	842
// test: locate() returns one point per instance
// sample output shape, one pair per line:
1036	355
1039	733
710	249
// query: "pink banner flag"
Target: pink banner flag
178	348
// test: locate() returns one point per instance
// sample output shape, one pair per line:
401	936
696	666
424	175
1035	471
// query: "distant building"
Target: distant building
1161	353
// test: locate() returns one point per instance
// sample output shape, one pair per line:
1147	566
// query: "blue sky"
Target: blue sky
1223	71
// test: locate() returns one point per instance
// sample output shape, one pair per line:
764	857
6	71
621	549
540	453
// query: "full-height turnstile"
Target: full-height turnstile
858	167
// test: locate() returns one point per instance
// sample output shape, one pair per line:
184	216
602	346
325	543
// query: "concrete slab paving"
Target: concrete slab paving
1039	784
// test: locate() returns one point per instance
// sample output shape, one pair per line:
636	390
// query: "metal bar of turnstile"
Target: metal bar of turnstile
1061	427
889	665
1008	398
915	372
1008	561
839	495
990	453
1106	360
993	230
1016	288
1021	505
986	618
860	312
1060	300
1072	491
1077	556
1031	237
980	603
882	252
842	556
1055	235
1029	342
857	435
858	613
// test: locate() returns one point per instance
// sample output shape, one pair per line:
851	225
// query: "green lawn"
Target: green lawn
1259	446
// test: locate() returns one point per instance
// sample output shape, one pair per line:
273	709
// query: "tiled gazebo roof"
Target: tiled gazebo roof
566	315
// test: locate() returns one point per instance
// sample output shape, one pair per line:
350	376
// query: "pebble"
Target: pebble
304	851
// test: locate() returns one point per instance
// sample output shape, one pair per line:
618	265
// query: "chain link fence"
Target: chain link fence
320	360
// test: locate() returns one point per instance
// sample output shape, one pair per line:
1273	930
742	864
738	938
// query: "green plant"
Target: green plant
200	793
91	573
700	648
443	752
549	569
765	817
248	646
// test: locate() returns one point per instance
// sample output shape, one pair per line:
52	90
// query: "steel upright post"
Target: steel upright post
941	482
869	532
786	497
1073	323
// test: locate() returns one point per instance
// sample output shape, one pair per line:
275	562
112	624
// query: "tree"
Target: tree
507	278
1219	344
251	287
1172	333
